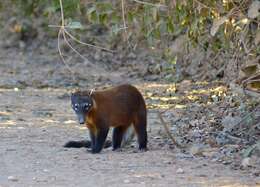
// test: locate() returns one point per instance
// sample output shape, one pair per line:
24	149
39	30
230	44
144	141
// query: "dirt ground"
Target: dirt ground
39	122
36	120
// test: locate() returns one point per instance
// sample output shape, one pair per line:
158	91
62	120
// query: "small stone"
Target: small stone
126	181
248	162
180	171
12	178
196	150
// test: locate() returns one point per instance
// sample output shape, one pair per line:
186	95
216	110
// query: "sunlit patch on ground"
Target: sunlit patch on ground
7	123
163	96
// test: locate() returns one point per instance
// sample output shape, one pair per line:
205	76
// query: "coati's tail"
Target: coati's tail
128	137
84	143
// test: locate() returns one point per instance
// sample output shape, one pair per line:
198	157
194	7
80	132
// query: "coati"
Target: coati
118	107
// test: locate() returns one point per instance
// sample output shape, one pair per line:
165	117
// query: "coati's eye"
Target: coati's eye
76	106
86	106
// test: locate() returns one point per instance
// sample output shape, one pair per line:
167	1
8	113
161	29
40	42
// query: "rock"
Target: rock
126	181
12	178
180	171
230	122
245	162
43	113
249	162
197	149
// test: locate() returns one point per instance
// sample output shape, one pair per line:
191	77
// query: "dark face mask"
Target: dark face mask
81	105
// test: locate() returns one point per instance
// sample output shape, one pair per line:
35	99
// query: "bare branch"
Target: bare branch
76	51
168	131
83	43
150	4
62	14
61	31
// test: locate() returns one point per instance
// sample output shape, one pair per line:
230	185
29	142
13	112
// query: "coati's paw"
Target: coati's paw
140	150
117	149
143	149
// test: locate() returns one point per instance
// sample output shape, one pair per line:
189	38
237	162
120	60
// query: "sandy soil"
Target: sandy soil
35	123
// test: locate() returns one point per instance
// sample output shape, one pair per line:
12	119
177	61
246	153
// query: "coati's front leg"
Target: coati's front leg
99	139
93	139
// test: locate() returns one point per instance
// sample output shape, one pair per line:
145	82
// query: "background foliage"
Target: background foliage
223	27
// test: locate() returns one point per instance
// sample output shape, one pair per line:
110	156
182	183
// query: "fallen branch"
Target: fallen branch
168	131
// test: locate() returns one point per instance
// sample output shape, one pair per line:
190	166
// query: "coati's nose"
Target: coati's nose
81	120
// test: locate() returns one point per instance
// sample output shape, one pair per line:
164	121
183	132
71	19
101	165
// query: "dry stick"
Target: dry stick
123	16
83	43
62	15
150	4
61	31
168	131
68	43
61	55
247	116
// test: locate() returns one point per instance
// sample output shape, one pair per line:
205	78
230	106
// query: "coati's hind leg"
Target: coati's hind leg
117	136
140	124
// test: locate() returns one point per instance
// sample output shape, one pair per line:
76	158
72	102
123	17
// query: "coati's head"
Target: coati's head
81	103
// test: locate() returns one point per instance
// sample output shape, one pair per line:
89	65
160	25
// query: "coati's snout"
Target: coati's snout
81	105
81	118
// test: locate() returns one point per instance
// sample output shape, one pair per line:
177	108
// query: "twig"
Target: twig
83	43
68	43
124	22
61	55
247	116
202	4
62	14
168	131
62	33
150	4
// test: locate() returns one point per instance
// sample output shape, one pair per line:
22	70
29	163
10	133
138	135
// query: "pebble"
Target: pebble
12	178
180	171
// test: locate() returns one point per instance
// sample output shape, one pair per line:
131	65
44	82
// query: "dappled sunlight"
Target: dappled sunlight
164	99
69	122
164	96
5	113
7	123
50	121
81	127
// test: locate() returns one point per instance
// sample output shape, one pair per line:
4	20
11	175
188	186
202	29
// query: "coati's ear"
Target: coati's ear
91	92
74	91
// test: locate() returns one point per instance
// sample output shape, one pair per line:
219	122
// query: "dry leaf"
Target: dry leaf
253	10
249	70
257	38
216	24
254	85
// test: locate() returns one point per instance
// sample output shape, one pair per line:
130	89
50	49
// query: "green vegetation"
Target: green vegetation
223	26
